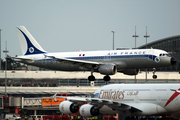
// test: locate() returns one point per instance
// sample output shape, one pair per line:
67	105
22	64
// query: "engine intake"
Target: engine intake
88	110
67	107
108	69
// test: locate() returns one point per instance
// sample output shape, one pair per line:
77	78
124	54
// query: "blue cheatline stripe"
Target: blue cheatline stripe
113	57
31	49
103	57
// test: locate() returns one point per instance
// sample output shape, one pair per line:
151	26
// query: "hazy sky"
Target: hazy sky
73	25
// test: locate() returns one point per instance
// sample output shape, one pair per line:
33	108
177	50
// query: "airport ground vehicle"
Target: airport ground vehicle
12	117
49	117
35	117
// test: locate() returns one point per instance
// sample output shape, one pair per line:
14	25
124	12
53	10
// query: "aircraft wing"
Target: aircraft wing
86	64
114	105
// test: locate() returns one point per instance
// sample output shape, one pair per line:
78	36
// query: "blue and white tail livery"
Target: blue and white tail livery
107	62
28	44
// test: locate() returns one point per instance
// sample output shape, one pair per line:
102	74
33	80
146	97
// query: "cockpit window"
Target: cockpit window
168	55
165	54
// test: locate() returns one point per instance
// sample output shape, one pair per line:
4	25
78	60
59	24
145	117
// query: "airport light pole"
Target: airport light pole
135	36
6	51
135	48
146	36
113	38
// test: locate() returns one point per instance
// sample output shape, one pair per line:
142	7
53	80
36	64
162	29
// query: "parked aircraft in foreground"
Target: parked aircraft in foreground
127	99
105	62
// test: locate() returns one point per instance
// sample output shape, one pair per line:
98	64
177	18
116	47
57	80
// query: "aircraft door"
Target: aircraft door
107	58
177	100
44	61
150	55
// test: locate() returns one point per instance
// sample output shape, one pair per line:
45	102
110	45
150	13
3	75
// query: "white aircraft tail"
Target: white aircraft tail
28	44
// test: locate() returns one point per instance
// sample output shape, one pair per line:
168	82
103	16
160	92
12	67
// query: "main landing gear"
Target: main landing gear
154	76
91	78
106	78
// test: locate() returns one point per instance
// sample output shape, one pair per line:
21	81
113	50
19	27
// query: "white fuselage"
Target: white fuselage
151	99
123	59
106	62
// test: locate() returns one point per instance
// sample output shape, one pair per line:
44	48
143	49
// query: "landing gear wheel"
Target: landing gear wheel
154	76
91	78
106	78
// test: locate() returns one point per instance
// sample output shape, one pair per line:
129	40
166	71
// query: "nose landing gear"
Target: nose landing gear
154	76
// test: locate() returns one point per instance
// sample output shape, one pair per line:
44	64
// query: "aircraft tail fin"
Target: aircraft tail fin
28	44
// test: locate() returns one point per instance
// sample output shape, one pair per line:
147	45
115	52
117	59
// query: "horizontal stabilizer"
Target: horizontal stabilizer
22	59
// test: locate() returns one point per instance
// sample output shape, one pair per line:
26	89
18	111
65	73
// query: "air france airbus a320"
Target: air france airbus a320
105	62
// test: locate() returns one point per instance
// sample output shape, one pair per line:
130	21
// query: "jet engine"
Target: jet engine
67	107
88	110
130	71
107	69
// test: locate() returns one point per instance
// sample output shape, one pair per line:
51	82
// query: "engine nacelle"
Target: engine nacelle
67	107
88	110
130	71
107	69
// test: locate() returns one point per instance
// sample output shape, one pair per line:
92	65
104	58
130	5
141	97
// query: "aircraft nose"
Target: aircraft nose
173	61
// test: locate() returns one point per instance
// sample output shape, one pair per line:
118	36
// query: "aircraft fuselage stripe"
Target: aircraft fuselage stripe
106	57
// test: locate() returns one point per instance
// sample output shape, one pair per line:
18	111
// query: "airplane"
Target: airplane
126	99
107	62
